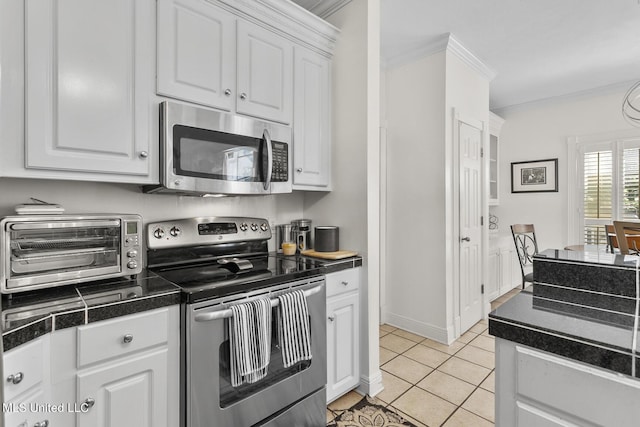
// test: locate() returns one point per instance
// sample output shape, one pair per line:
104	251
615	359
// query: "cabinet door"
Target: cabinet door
130	393
311	120
492	287
89	82
196	53
264	74
509	270
343	336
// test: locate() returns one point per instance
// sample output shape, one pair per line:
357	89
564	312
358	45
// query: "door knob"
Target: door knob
243	96
15	378
466	239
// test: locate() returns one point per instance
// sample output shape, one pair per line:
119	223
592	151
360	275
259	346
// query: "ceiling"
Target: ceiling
538	49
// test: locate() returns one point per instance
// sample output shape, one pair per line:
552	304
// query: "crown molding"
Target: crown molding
574	96
324	9
466	56
446	42
288	20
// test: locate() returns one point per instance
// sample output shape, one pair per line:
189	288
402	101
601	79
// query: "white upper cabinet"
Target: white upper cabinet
88	86
265	70
495	125
197	53
209	56
311	121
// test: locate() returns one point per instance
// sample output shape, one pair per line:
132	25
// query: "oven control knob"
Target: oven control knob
158	233
132	253
243	226
254	227
132	264
175	231
264	226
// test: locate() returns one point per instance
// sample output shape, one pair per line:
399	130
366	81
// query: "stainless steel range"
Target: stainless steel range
220	262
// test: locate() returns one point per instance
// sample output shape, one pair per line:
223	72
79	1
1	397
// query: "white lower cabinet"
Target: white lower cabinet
503	268
26	384
122	372
535	388
343	332
130	392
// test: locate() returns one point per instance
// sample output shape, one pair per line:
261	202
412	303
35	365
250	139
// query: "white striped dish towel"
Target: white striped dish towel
250	341
293	328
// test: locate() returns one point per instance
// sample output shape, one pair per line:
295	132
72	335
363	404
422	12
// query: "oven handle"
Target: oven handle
222	314
74	224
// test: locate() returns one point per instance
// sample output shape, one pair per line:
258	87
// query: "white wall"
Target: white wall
540	131
87	197
415	279
421	197
353	204
467	92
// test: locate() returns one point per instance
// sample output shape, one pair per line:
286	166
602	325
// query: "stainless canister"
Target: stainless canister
327	238
301	230
283	234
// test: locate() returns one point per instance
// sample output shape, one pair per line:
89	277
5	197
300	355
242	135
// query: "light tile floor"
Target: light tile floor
432	384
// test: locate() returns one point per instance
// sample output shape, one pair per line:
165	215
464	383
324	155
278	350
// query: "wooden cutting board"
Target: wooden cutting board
329	255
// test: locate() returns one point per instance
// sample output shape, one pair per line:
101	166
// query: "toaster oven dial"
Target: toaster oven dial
132	264
243	226
264	226
175	231
158	233
254	227
132	253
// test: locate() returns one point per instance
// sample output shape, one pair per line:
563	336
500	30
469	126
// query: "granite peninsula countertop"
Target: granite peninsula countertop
29	315
583	307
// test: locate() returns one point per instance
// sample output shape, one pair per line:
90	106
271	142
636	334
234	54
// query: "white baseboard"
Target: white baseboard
371	385
436	333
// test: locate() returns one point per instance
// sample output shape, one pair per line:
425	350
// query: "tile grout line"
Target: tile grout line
412	385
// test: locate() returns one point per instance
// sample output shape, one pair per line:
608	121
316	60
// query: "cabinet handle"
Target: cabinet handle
87	404
243	96
332	318
299	170
466	239
127	338
43	423
227	92
344	282
143	154
15	378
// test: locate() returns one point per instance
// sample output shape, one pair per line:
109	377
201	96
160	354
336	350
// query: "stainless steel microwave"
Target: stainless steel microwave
204	152
43	251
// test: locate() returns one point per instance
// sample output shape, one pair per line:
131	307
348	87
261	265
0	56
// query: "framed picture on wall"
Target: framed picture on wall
535	176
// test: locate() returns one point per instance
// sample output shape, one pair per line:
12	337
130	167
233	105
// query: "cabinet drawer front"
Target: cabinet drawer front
573	390
124	335
23	368
343	281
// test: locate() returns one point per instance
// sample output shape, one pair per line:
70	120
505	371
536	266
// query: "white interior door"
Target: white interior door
470	273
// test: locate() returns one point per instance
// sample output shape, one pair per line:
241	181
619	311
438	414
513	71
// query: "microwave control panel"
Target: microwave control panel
280	171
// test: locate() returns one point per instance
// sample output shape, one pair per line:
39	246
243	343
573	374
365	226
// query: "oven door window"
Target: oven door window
276	372
62	251
216	155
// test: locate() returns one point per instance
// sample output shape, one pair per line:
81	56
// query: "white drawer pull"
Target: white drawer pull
127	338
15	378
344	282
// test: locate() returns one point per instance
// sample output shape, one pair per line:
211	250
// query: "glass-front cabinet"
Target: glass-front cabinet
495	125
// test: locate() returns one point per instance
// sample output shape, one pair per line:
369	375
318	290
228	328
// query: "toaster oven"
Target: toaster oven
55	250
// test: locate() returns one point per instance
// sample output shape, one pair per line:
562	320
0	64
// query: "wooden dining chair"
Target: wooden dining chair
524	237
628	236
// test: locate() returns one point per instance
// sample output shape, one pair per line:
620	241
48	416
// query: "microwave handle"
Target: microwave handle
267	140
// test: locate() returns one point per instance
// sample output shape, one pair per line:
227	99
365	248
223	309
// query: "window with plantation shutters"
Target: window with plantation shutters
610	186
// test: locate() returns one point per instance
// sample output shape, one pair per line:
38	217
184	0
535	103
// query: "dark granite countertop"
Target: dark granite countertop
583	307
28	315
